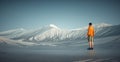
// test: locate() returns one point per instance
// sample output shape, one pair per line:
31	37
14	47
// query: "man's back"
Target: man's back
90	31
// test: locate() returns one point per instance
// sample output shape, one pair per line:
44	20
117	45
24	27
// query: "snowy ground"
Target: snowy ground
106	50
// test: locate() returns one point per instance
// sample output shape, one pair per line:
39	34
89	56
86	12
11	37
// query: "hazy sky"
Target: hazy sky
65	14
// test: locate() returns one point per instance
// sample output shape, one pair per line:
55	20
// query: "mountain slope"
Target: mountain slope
53	33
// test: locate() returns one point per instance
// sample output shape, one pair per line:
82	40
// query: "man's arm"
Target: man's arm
93	31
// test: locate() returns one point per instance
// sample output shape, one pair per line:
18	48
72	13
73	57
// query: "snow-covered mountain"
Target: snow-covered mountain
54	33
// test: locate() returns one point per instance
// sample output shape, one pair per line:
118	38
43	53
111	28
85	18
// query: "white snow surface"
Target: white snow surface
55	34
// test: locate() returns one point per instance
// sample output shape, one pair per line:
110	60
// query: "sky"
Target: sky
68	14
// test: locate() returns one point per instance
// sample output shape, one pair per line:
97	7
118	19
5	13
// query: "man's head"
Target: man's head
90	23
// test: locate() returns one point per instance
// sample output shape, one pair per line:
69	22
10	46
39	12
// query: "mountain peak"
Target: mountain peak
53	26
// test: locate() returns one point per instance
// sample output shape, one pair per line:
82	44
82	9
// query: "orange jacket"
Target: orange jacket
90	31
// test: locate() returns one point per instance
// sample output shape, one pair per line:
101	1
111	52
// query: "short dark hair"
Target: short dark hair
90	23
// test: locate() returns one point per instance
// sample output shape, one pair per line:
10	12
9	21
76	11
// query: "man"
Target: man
90	35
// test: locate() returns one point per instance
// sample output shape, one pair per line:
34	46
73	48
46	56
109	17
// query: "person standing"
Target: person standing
90	35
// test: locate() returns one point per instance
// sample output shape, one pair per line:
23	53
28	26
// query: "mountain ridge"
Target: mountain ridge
53	33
